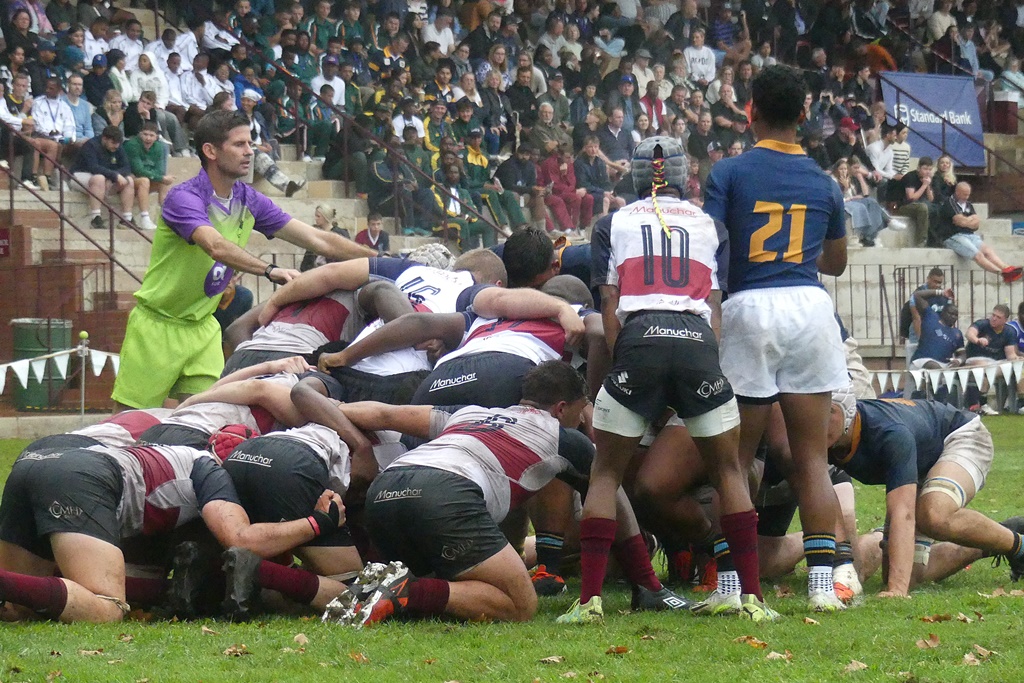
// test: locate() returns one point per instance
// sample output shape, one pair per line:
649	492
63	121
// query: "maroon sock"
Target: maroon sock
297	584
143	591
47	595
635	561
596	537
740	530
428	597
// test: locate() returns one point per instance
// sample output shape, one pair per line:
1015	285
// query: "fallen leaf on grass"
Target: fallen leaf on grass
970	660
811	622
982	652
774	656
964	619
429	661
595	675
647	637
1017	593
931	643
90	653
237	650
53	675
854	665
553	659
126	637
115	661
207	631
617	650
935	618
979	615
15	669
569	674
999	592
783	592
142	680
139	615
751	641
301	639
358	657
55	653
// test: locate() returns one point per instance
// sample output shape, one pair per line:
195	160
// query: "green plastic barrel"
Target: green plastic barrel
35	337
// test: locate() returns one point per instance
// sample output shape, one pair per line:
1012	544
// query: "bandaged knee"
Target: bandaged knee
946	486
922	549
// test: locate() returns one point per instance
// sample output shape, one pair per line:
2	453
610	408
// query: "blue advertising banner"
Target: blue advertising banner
928	104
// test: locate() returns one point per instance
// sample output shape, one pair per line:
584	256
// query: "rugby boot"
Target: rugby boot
708	574
587	613
755	610
824	601
242	594
189	572
645	600
846	582
381	593
545	583
680	567
1016	525
718	604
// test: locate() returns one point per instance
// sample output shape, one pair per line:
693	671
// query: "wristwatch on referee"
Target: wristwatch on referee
270	267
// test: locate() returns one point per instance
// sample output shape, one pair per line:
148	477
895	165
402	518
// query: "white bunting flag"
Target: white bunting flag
20	368
963	375
1018	367
917	375
896	380
1007	370
990	373
99	359
115	363
978	374
949	377
935	379
883	381
3	377
60	364
38	369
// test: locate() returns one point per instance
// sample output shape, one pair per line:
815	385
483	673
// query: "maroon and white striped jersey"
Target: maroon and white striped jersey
510	453
209	417
655	271
166	486
125	428
305	326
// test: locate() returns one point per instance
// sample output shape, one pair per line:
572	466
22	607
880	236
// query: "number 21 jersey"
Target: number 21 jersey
779	208
657	269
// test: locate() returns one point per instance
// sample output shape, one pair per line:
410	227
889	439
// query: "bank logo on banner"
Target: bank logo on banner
931	106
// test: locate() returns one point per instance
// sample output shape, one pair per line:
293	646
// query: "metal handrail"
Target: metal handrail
59	209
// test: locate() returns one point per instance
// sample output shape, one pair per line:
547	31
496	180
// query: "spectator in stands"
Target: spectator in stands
484	37
944	180
54	124
547	135
80	110
592	175
700	61
901	152
625	98
571	205
845	142
324	218
111	113
97	82
452	206
989	341
522	98
918	200
330	77
264	152
102	165
373	235
61	15
43	67
940	21
436	126
700	138
95	39
861	88
496	109
555	96
867	215
880	155
946	53
957	227
942	343
683	23
616	143
763	57
654	108
148	158
503	204
969	54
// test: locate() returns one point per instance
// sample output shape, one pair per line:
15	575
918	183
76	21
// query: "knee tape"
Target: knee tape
120	604
945	486
922	549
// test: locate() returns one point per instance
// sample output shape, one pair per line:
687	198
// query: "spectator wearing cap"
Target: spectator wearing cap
740	133
553	38
716	152
641	69
44	67
655	108
503	204
408	118
571	205
625	98
845	142
509	37
616	142
700	61
555	96
521	97
610	83
436	126
547	135
484	37
97	81
440	31
330	77
264	147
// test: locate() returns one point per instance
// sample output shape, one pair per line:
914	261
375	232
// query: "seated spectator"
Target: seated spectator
497	61
111	113
845	142
643	129
625	98
572	206
264	152
700	138
324	218
547	135
989	341
917	202
592	175
726	75
373	235
654	107
700	61
54	128
80	110
440	88
521	97
763	57
869	218
102	165
694	184
642	71
969	54
616	144
957	226
330	77
944	180
680	131
503	204
195	94
518	174
583	104
437	126
555	96
454	218
881	157
816	150
941	343
97	82
407	118
148	159
466	89
901	152
497	113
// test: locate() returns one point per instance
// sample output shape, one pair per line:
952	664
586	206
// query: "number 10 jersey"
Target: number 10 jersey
659	269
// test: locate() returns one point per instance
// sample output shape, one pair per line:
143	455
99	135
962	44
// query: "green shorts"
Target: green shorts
161	357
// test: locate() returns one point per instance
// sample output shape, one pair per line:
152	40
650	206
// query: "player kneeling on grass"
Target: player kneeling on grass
933	458
69	511
437	508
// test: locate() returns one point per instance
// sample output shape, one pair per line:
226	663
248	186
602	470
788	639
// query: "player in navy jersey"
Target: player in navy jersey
933	458
656	262
780	341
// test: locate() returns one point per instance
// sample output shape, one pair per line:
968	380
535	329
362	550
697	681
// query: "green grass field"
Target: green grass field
882	634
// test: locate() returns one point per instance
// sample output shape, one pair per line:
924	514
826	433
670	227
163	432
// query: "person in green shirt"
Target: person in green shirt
455	221
504	205
148	157
320	27
172	344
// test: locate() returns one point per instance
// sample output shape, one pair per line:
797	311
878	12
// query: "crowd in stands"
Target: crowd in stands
538	103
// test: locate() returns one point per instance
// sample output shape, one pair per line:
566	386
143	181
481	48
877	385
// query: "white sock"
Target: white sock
728	582
128	216
144	214
820	579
